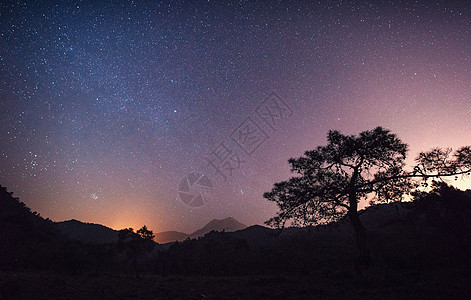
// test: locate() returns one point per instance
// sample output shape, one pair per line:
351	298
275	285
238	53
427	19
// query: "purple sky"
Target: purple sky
106	107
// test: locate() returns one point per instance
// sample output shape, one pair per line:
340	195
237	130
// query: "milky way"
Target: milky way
106	107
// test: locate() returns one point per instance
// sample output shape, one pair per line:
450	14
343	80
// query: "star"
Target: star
116	102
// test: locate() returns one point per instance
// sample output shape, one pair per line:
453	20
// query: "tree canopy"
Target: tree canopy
332	179
135	244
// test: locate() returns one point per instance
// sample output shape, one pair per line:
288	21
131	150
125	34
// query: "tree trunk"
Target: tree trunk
364	258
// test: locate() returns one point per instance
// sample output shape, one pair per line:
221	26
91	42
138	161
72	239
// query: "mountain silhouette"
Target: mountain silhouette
170	236
99	234
433	231
87	232
228	224
415	244
26	238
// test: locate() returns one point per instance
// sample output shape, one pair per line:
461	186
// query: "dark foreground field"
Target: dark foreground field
420	250
324	285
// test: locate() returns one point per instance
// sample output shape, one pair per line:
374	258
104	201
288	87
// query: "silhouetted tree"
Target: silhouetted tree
135	244
146	234
334	178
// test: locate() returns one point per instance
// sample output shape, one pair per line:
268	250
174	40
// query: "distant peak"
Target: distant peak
73	220
226	224
225	219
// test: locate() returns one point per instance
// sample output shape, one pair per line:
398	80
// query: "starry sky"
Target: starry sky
106	107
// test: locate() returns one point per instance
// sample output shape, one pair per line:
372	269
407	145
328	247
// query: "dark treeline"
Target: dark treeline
430	233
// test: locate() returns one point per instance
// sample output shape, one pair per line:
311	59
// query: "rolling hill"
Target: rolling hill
98	234
228	224
87	232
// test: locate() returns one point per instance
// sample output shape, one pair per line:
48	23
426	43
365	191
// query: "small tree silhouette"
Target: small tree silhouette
135	244
146	234
334	178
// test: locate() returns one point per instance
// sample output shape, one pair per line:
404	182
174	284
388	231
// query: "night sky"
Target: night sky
106	106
